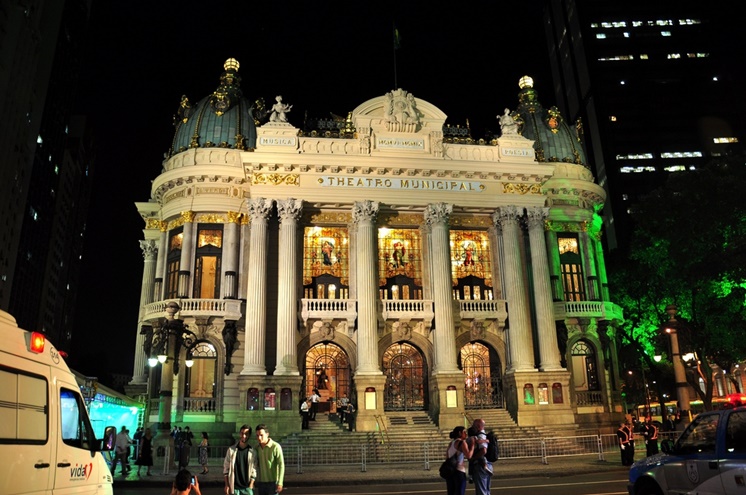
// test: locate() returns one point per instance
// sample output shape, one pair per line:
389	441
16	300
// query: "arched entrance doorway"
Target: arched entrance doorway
483	381
404	368
585	378
328	370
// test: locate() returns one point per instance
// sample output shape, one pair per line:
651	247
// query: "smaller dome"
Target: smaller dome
554	141
224	119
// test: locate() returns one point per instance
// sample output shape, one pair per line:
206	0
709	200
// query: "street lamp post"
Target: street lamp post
167	343
682	387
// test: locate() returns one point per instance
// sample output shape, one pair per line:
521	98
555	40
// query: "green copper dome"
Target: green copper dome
554	140
224	119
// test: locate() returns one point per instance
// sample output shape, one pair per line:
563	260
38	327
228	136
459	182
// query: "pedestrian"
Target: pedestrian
239	466
456	484
145	452
650	432
315	398
623	439
122	443
350	416
630	451
479	467
185	483
137	437
176	436
185	446
305	410
344	402
270	464
204	452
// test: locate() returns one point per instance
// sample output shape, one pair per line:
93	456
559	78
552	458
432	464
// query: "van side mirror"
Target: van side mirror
667	446
110	439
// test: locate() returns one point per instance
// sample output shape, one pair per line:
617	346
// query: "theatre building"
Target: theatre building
384	256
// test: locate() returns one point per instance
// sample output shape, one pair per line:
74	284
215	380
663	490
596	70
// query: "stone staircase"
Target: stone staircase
415	428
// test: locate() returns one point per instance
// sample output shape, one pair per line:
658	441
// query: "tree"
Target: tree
689	249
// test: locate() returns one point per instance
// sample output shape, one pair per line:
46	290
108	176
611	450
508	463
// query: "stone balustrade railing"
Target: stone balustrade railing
604	310
228	309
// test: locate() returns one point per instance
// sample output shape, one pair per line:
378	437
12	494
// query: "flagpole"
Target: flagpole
396	47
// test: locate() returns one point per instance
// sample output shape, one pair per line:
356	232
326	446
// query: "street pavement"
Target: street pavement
327	475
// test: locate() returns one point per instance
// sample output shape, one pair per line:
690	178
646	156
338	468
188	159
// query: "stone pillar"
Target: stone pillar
520	344
289	212
187	255
555	273
427	262
364	214
548	349
160	263
589	267
150	254
444	338
230	257
256	295
600	261
496	252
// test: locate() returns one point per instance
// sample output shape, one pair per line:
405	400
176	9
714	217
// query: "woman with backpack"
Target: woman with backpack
459	451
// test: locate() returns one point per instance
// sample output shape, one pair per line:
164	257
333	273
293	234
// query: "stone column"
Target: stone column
230	256
520	344
150	254
187	255
589	267
555	274
256	295
548	349
602	279
289	212
160	264
444	338
496	251
427	262
364	214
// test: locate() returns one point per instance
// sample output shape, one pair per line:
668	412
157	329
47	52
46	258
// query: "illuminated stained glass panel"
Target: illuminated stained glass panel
470	255
399	253
325	252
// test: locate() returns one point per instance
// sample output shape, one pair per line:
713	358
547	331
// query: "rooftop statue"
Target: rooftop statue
508	125
400	111
279	111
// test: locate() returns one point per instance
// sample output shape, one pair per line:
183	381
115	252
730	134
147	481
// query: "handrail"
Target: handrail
382	429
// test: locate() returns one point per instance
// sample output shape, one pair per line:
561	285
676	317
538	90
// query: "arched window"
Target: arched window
200	384
405	378
584	368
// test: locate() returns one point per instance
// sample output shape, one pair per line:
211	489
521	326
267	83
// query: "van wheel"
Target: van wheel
648	488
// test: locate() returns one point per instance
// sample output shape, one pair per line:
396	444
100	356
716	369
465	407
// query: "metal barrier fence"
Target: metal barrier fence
426	453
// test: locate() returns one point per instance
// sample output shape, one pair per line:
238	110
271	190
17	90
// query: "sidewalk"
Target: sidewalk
317	475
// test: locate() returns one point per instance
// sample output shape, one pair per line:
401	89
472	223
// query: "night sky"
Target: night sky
324	56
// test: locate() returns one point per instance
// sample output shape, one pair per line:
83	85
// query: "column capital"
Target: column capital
506	214
364	210
289	209
149	249
438	213
536	216
259	208
188	216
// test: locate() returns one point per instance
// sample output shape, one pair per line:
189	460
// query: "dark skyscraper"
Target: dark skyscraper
47	159
659	86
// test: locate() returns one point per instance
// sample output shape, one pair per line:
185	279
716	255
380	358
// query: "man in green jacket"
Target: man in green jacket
271	464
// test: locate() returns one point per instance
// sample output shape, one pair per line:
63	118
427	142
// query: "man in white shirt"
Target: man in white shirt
120	451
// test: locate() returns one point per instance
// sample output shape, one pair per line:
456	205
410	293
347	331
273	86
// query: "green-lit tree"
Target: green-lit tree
689	249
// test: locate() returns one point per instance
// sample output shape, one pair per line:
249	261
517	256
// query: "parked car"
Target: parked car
708	458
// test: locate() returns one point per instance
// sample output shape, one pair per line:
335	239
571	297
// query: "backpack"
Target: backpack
492	449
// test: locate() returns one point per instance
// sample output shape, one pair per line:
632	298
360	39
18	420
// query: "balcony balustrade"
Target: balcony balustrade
227	309
602	310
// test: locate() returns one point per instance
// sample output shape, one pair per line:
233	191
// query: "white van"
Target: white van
47	445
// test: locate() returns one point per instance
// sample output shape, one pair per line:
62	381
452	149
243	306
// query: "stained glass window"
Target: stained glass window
399	263
326	262
471	265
